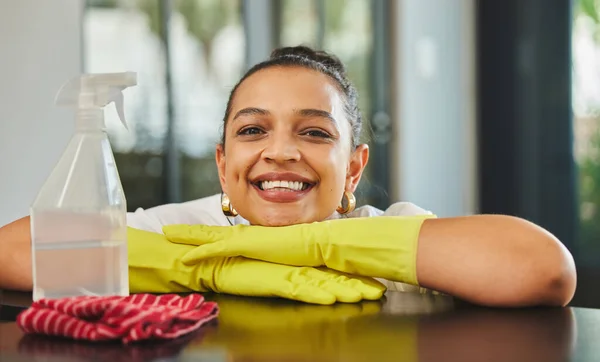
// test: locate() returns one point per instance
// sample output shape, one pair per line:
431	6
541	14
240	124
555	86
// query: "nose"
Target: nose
281	148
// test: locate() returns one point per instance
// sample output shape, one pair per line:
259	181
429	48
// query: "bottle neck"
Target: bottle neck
90	120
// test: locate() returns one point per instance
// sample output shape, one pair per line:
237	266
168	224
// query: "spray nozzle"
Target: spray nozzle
94	91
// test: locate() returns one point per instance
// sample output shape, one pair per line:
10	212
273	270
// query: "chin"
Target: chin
279	219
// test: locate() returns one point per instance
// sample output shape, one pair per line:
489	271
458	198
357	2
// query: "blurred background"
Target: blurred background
471	106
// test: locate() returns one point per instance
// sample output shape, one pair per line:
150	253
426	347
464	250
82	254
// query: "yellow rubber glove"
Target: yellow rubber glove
383	247
155	267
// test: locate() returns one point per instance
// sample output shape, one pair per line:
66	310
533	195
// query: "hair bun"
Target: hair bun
319	56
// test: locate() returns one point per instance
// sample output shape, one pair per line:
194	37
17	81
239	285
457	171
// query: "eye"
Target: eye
250	131
316	133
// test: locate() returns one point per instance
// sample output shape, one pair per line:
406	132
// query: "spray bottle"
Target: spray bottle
79	217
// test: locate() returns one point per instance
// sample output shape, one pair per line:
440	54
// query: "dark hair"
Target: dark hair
328	64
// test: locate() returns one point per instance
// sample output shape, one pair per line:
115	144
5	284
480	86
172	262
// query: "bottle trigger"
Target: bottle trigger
120	109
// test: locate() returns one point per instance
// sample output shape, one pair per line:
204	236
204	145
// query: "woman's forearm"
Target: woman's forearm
495	260
15	256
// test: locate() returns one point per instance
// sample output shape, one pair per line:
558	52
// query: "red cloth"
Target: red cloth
133	318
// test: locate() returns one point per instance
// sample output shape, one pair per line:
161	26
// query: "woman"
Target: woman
290	156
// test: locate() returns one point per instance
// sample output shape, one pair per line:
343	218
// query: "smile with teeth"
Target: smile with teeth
283	185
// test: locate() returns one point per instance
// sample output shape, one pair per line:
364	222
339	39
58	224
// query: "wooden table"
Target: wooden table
402	327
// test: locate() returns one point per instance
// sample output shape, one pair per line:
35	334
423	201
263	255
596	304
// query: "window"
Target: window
189	54
586	123
538	123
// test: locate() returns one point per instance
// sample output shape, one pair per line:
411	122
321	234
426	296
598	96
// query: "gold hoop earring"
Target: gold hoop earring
348	203
228	210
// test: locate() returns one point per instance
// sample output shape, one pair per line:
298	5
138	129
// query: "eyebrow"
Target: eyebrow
310	112
251	111
306	113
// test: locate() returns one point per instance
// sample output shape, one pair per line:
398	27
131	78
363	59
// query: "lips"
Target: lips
282	187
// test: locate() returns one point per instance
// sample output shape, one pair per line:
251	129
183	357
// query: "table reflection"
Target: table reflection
402	327
39	347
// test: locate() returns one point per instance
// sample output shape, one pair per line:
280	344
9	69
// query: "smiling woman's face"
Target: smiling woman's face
288	157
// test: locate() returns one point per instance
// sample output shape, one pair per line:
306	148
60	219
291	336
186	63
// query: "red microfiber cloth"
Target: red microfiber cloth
134	318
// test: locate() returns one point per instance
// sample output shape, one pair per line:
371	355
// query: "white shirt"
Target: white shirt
207	211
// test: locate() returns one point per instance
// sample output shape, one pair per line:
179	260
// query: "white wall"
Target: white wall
40	44
434	137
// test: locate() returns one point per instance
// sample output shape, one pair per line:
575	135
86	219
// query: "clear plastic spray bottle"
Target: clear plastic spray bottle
78	219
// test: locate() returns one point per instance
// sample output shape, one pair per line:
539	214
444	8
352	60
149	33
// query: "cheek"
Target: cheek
239	160
330	163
